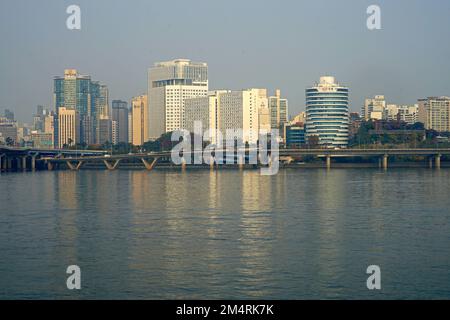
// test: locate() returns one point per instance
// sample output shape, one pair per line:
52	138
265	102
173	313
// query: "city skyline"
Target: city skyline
290	65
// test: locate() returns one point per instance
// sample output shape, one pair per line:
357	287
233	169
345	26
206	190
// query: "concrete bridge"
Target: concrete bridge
74	160
22	159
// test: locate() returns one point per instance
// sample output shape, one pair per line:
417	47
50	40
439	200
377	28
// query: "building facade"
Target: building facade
374	108
278	111
434	113
327	116
120	121
140	120
89	98
68	127
405	113
169	85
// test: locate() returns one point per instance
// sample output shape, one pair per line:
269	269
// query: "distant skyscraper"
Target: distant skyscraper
89	98
278	110
104	130
120	118
130	125
327	114
140	120
68	127
9	115
434	113
374	108
169	84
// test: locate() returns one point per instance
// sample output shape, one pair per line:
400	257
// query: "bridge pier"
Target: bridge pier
33	162
111	167
328	161
2	163
385	161
24	163
75	167
149	166
438	161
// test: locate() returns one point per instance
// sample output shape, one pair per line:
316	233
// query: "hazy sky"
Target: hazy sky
271	44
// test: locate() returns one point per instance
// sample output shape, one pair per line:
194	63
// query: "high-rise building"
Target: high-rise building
434	113
104	130
240	110
224	110
169	85
278	110
374	108
140	120
204	110
327	116
120	121
130	125
68	127
89	98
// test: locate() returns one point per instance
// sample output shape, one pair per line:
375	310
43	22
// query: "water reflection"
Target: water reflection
225	234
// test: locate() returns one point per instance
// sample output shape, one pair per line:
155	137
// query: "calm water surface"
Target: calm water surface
226	234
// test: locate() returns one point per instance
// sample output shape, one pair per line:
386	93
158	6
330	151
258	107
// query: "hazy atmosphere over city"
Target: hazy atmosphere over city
270	44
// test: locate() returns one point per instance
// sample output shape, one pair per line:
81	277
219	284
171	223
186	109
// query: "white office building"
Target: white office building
170	83
230	110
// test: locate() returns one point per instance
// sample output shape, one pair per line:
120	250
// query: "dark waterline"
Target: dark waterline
226	234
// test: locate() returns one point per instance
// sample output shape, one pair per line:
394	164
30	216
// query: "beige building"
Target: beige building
374	108
300	118
140	120
434	113
68	127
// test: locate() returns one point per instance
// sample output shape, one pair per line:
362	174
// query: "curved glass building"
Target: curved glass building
327	114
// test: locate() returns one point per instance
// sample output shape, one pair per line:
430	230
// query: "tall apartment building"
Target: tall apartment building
120	121
68	127
278	110
327	115
89	98
374	108
170	83
434	113
140	120
240	110
130	125
228	110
